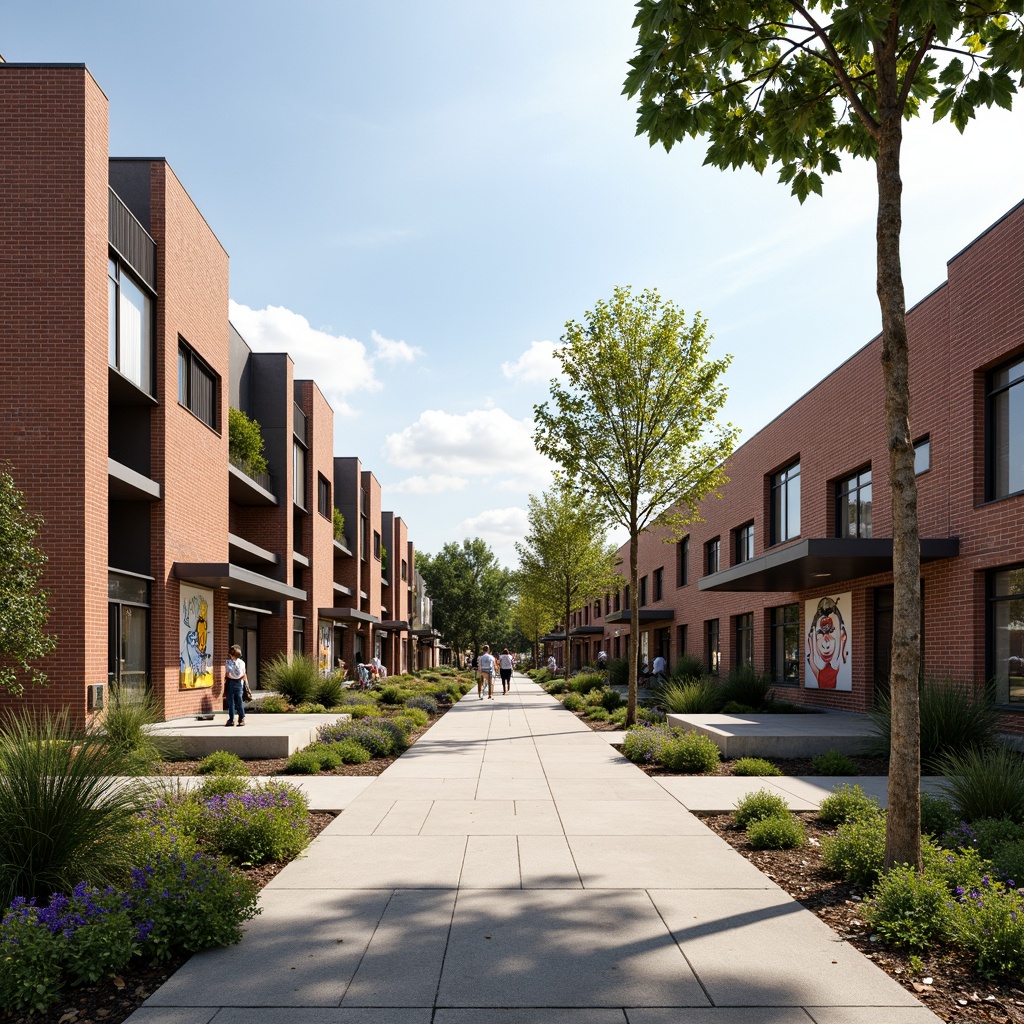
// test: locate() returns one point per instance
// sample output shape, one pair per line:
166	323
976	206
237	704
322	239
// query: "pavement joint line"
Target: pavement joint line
693	970
366	948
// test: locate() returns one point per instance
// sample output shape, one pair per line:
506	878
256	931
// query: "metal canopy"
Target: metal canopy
348	615
646	615
820	561
240	582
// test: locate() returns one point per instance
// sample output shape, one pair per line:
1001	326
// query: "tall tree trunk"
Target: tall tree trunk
903	832
567	649
634	625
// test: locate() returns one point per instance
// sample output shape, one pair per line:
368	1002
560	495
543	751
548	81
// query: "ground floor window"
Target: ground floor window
1006	634
298	634
785	644
128	632
243	631
744	625
680	641
712	647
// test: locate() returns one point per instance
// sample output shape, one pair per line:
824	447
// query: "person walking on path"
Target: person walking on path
506	663
234	683
485	674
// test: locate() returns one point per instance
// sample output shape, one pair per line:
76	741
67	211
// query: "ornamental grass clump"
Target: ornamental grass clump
756	766
757	806
222	762
296	679
127	724
266	823
746	686
985	783
848	803
776	832
328	691
833	763
698	696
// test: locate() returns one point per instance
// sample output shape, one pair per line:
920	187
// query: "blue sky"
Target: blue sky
417	196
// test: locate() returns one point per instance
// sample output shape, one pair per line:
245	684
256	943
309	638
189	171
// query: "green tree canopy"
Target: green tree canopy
471	593
533	617
23	607
798	85
634	423
564	560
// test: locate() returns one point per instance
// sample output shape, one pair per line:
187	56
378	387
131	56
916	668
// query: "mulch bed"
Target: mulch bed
954	993
115	999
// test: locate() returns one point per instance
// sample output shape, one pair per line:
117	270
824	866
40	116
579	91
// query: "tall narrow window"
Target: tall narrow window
130	312
922	456
1006	431
680	641
1006	635
786	644
643	591
299	474
744	627
712	551
744	543
712	647
853	505
197	385
683	562
659	583
324	496
785	504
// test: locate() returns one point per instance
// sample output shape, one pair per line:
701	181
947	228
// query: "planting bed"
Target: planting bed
955	993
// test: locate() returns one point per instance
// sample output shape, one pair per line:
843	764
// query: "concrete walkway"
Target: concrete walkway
512	867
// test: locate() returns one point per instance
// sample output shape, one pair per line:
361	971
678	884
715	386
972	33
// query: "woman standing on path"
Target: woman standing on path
485	673
506	663
234	683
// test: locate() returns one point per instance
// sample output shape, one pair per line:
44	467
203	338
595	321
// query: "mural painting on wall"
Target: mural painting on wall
195	639
324	649
828	643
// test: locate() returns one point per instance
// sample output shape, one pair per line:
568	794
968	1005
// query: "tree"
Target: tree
564	560
797	85
532	617
470	591
23	607
634	423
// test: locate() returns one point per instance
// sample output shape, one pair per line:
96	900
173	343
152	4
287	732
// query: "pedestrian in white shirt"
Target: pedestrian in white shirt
485	674
505	664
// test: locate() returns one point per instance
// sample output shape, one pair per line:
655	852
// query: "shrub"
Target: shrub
222	762
415	715
777	832
989	922
642	744
833	763
309	708
757	806
376	735
573	702
272	705
985	835
63	816
245	441
390	694
618	672
610	699
423	703
127	727
908	909
303	762
937	815
755	766
956	869
687	667
296	680
338	524
848	803
597	714
266	823
698	696
31	979
586	681
354	698
1008	863
618	716
857	850
690	753
555	687
955	717
747	686
328	692
985	783
361	711
351	752
734	707
190	904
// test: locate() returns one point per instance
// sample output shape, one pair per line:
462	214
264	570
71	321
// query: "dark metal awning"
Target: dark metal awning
586	630
240	582
821	562
397	625
426	634
646	615
348	615
552	638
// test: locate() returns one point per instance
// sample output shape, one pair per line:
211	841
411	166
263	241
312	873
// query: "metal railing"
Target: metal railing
265	480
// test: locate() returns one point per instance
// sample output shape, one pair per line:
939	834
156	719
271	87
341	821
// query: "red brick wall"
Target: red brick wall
53	361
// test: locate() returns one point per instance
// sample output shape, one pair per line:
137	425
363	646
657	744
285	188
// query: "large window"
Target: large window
744	543
659	584
197	385
712	553
1006	634
1006	431
130	327
785	644
324	505
643	591
683	562
853	505
712	647
785	504
299	474
744	626
128	633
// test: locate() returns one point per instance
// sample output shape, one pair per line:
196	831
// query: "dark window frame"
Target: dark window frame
923	444
784	482
195	367
324	505
658	584
743	543
846	487
683	562
643	592
713	646
115	270
992	602
712	556
783	617
743	636
992	393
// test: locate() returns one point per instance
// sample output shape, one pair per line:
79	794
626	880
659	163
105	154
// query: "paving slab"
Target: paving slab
546	862
627	818
557	948
345	1015
532	1015
869	1014
491	788
491	862
492	817
718	1015
717	794
762	948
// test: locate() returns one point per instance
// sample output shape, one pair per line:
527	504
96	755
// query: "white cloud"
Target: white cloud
436	483
536	363
486	443
391	352
500	528
339	365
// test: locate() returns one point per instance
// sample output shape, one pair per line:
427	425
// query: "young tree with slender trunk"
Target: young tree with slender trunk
564	560
633	424
796	85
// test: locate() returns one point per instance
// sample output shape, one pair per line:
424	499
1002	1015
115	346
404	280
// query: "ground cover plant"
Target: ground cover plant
833	763
755	766
673	749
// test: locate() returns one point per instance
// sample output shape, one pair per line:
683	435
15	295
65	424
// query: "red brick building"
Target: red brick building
806	516
117	370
